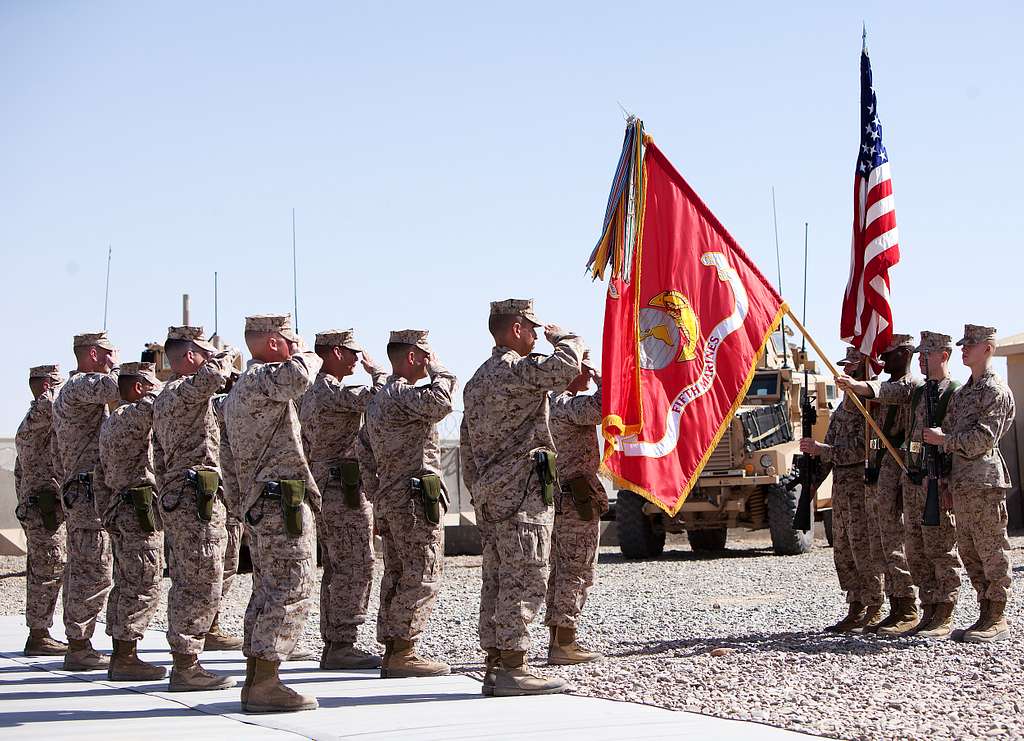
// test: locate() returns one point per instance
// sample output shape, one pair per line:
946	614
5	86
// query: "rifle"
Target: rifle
932	461
807	465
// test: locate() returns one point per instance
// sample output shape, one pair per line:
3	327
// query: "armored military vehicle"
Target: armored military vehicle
750	481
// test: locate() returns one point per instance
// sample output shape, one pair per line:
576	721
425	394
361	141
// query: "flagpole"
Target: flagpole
853	397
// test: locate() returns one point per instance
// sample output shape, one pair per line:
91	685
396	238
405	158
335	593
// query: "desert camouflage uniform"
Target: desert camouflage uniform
229	489
186	437
885	498
505	422
36	469
78	413
574	541
264	437
331	414
980	413
860	572
931	551
399	441
126	461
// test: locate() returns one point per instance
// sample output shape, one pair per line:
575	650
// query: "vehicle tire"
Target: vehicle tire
705	541
826	518
782	502
640	535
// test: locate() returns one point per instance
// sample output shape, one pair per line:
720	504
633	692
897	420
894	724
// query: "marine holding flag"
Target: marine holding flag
686	316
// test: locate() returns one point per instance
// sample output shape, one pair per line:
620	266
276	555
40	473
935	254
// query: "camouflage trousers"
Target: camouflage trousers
515	576
283	568
197	573
931	551
981	521
861	573
346	551
573	553
885	502
413	564
47	554
138	570
232	549
87	580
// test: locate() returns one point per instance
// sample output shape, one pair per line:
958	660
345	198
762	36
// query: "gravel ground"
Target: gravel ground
658	622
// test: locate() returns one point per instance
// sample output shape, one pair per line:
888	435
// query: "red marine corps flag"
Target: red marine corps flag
686	316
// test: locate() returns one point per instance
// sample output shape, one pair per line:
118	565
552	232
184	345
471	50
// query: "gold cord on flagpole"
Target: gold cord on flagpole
856	401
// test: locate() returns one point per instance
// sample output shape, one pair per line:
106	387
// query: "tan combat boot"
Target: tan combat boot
563	649
405	662
126	666
889	619
984	606
927	615
250	672
188	675
994	628
339	655
513	678
82	657
852	619
906	620
219	641
941	623
873	617
268	695
301	654
491	664
41	643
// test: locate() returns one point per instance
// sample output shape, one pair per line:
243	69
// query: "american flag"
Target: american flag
867	314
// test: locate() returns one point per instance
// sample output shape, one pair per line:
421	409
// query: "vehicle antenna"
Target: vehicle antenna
106	291
295	278
778	262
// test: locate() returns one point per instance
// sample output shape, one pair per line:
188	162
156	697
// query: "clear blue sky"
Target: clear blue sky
440	156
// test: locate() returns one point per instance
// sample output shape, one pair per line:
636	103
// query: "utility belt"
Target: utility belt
582	497
429	489
45	500
141	500
347	472
289	494
79	486
205	487
544	470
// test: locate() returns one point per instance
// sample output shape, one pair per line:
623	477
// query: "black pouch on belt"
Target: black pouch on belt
871	475
432	495
348	472
544	461
582	497
46	500
141	499
205	484
293	492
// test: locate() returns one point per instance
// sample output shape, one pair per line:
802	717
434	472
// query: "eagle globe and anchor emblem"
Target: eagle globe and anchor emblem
669	331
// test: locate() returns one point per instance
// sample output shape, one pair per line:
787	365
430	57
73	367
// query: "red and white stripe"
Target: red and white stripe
867	313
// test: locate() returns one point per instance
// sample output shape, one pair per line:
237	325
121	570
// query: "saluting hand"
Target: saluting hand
553	333
368	363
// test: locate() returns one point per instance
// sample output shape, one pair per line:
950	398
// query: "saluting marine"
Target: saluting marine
578	508
331	414
124	491
508	460
37	488
400	460
78	412
276	497
186	451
